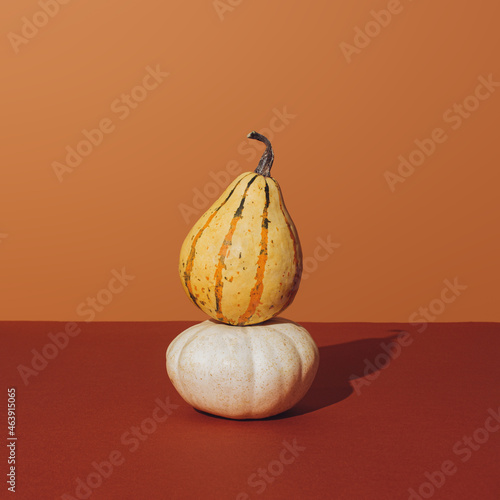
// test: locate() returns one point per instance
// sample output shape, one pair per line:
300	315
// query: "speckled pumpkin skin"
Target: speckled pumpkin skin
243	372
241	263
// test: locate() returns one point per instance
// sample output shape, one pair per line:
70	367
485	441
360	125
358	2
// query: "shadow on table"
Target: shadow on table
339	366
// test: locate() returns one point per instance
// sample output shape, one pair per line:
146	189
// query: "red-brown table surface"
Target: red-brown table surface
366	438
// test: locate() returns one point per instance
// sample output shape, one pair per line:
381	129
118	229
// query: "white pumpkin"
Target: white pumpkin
243	371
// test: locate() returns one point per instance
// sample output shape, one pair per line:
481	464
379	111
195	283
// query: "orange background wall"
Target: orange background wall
355	111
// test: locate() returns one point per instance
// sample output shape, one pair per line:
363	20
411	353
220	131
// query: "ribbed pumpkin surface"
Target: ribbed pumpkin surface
243	372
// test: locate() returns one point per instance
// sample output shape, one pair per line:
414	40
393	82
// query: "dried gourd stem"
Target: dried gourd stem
266	162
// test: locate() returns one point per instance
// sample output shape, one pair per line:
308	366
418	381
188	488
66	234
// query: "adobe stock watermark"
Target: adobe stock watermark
223	6
130	440
87	310
96	304
464	448
454	117
251	150
363	37
393	349
323	251
30	26
436	307
264	476
122	107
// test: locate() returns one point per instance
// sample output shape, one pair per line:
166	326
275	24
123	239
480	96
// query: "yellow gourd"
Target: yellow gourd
241	263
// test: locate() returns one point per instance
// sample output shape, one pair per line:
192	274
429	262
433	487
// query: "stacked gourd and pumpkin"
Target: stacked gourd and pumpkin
241	264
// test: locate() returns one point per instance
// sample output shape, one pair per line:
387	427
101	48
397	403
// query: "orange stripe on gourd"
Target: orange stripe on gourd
192	253
238	215
258	288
